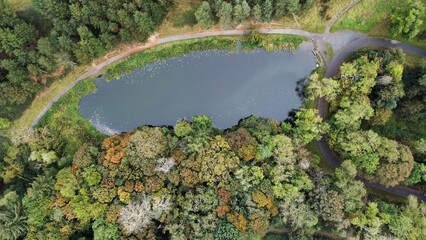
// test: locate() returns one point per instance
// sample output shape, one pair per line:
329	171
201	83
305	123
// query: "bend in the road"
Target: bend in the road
333	159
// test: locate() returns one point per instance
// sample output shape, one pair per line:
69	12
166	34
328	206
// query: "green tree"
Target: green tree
15	164
145	24
225	15
200	135
329	204
408	20
4	123
238	14
217	4
361	147
246	9
144	148
267	11
44	157
182	128
284	7
351	113
12	218
66	183
89	46
309	126
299	216
92	176
381	116
103	230
369	222
226	231
204	15
410	223
352	191
396	70
422	81
249	177
280	8
420	146
217	161
241	12
85	208
395	169
36	201
257	13
322	87
293	6
418	174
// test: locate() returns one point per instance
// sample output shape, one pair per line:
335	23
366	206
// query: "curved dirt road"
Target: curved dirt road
333	159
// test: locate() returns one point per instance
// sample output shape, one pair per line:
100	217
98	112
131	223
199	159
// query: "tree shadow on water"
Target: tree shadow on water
300	87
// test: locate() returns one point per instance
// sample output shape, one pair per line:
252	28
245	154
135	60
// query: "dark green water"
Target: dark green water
226	86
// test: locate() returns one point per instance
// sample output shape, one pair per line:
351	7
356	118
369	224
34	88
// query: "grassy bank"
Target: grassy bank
65	120
174	49
272	42
373	17
315	19
167	51
42	99
366	15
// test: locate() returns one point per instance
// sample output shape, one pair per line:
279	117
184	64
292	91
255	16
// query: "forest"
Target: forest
233	13
193	181
256	180
54	36
367	95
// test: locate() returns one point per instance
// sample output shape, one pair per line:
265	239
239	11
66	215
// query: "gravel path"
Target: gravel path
339	14
343	43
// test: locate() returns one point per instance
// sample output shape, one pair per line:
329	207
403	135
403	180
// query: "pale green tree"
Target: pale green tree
351	190
257	13
410	222
4	123
369	222
309	126
322	87
225	15
204	15
267	11
407	21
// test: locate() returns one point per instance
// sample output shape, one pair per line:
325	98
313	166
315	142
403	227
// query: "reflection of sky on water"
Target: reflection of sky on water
226	86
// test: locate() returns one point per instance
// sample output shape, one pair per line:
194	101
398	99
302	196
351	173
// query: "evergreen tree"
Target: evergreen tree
225	15
267	10
257	13
204	15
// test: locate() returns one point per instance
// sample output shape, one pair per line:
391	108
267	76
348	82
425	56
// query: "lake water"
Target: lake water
224	85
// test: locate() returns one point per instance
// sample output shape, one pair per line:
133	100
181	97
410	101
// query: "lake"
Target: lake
225	85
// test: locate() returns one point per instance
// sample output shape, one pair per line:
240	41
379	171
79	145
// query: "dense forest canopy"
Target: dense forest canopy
61	34
65	180
194	182
362	96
